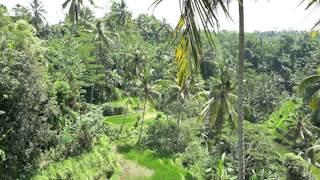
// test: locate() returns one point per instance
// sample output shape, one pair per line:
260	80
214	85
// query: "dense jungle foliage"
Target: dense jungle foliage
99	98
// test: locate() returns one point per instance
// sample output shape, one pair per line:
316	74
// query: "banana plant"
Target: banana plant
220	172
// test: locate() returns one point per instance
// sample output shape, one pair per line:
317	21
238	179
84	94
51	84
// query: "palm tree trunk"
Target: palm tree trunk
219	140
65	61
179	135
241	174
175	130
92	90
119	47
124	118
144	109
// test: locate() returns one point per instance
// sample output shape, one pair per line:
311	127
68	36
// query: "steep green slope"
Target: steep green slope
161	165
277	125
99	163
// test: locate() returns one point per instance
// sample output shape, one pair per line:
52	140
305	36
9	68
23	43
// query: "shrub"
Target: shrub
296	168
62	90
159	115
118	110
108	109
99	163
194	158
113	109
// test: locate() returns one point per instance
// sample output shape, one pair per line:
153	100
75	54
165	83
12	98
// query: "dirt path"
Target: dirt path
125	169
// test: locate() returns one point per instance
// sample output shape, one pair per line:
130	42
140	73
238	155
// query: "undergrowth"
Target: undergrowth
99	163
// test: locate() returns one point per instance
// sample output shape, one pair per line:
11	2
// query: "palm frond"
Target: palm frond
314	103
306	82
188	28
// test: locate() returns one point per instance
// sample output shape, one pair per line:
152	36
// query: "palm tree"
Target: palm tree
241	174
38	11
3	13
135	64
129	101
190	44
123	16
263	67
300	126
181	95
102	35
313	80
74	13
114	79
87	15
265	101
147	91
314	155
315	3
220	101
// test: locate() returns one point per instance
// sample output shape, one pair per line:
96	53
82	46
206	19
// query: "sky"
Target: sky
259	15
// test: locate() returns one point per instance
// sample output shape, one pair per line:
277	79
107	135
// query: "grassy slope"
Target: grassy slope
131	117
276	122
99	163
162	165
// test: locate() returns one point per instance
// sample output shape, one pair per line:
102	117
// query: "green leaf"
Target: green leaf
11	46
3	155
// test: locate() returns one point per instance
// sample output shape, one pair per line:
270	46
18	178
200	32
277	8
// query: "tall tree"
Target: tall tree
147	91
241	174
190	45
300	126
220	101
181	95
123	16
135	64
102	35
188	31
74	14
38	11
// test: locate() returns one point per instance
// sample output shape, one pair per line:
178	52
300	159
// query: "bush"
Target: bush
296	168
112	109
118	110
195	158
159	115
99	163
108	109
62	90
158	136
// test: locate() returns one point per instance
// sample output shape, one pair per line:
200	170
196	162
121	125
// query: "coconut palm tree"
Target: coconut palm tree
220	100
102	35
191	46
265	100
123	16
314	81
135	64
38	11
263	67
74	14
181	95
114	79
241	174
311	3
148	91
300	126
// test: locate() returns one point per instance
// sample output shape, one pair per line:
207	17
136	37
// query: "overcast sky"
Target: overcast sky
261	15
